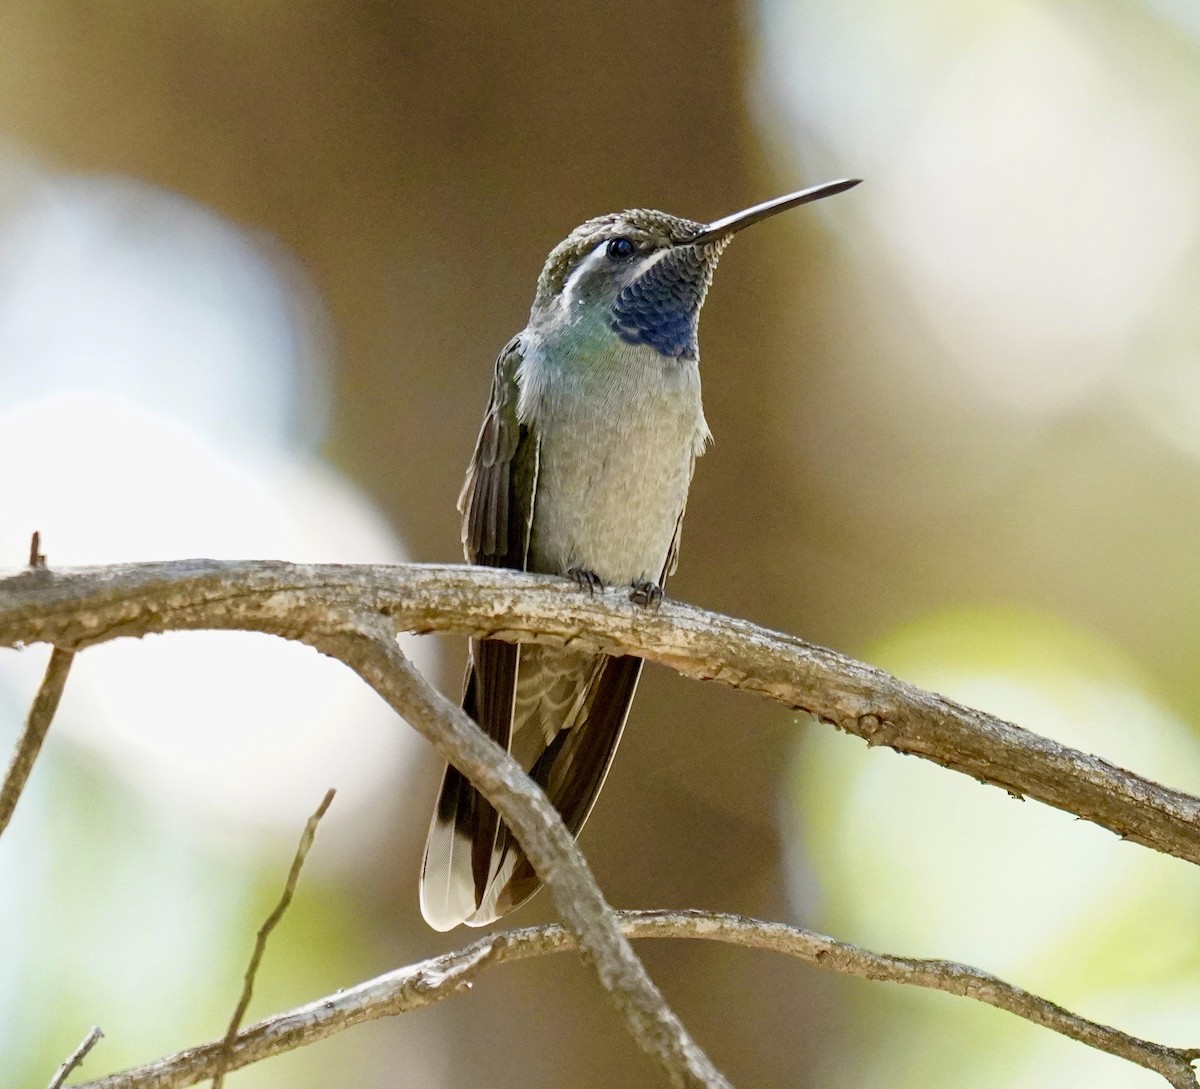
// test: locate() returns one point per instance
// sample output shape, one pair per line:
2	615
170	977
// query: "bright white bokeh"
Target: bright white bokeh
112	286
162	395
1034	191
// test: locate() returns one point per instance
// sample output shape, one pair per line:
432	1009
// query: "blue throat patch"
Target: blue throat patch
662	308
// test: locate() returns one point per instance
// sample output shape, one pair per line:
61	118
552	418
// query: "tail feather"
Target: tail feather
459	848
569	712
447	878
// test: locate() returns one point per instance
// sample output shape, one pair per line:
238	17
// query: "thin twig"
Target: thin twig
29	744
75	1059
451	975
264	931
92	605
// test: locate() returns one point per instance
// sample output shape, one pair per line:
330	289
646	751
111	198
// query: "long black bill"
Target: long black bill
740	220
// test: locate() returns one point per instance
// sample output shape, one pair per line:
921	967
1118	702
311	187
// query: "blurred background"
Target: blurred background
255	264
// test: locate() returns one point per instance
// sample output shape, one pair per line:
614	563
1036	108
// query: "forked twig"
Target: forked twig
451	975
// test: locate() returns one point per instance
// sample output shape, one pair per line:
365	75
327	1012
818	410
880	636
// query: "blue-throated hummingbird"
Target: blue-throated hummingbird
581	468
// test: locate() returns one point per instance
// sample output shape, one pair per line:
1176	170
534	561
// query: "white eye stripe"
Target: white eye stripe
599	255
596	257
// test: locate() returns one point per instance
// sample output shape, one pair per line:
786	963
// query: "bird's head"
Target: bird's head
644	274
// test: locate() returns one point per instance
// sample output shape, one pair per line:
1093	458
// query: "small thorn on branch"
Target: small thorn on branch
37	558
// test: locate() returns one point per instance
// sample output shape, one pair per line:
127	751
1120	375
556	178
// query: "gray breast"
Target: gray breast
618	438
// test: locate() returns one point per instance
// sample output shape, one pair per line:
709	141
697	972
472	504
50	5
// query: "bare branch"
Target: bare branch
91	605
362	637
75	1059
351	613
1174	1064
264	931
374	655
29	744
452	974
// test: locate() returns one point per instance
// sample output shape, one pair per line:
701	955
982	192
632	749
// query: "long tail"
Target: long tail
566	714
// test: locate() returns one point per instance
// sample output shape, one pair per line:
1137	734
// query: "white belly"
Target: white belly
616	457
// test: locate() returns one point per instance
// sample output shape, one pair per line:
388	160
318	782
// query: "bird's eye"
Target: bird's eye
621	249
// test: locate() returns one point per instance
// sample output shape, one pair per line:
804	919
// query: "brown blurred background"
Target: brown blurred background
969	385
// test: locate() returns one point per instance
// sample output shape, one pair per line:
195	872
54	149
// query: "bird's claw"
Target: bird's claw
647	593
585	579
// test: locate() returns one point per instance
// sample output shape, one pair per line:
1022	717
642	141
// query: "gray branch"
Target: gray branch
75	1059
452	974
77	607
374	655
353	613
362	636
29	744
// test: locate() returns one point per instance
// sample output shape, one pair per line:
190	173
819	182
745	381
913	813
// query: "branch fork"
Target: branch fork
353	614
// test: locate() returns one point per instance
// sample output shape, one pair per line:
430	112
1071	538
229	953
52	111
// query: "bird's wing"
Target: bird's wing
496	500
673	551
497	509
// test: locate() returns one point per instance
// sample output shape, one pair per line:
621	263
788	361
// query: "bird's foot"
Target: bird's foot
647	593
585	579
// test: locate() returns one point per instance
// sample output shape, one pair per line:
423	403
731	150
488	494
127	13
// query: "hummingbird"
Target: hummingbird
581	468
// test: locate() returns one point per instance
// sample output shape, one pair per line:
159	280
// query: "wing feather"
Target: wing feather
496	525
